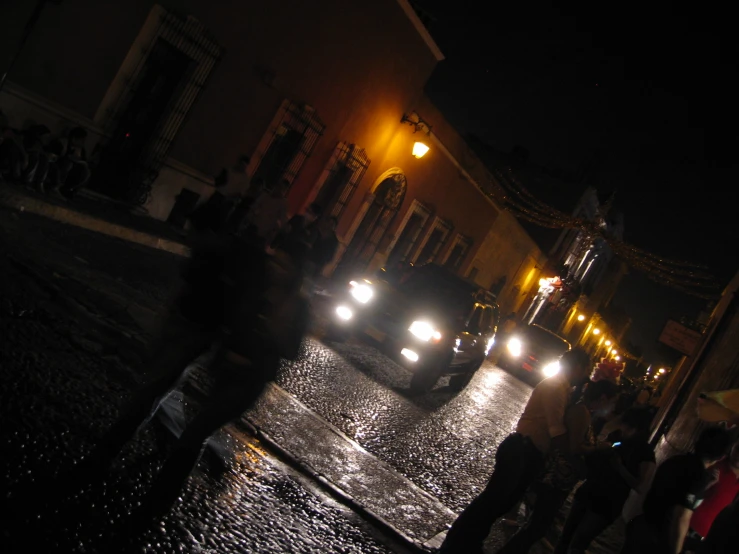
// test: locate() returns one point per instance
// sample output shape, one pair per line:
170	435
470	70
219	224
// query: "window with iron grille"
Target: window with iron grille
291	143
346	168
436	239
458	252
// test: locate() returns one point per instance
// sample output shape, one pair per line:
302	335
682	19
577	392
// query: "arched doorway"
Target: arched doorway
387	198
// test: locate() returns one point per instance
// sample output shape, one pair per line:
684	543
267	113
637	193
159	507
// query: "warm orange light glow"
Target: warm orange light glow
608	343
618	358
581	317
662	370
419	150
596	331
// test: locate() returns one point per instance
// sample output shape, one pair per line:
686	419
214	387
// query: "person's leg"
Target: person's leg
229	399
29	173
591	525
548	503
42	172
181	344
77	178
577	512
516	467
63	167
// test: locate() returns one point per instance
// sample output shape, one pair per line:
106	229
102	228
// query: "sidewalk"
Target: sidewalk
96	213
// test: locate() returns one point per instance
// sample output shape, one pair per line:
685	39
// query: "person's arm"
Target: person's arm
640	483
678	529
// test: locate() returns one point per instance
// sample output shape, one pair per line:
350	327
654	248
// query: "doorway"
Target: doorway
406	241
165	71
387	199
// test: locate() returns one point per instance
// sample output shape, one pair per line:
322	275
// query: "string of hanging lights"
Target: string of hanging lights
685	276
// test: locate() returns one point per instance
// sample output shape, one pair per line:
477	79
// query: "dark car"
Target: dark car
432	321
532	352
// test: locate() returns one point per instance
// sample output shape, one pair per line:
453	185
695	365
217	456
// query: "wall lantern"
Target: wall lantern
419	148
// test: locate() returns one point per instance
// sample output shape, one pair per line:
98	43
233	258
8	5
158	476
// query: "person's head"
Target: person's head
243	162
635	421
327	225
575	366
713	444
734	455
77	136
599	397
281	188
313	212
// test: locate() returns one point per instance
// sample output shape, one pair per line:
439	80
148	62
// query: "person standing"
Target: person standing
563	473
678	488
717	497
268	213
520	458
628	465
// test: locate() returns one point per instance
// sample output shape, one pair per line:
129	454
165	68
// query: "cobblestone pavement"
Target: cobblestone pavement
61	382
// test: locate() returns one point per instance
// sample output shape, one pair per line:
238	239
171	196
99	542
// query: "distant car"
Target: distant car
532	353
432	321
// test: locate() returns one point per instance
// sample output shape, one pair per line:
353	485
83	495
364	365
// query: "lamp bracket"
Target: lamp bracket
417	122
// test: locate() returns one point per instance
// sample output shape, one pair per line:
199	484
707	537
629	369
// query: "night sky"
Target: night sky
648	90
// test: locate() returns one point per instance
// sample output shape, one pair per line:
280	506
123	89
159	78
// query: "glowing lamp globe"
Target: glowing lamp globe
419	150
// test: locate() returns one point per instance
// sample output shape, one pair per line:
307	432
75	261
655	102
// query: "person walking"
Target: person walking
520	458
678	488
614	473
561	474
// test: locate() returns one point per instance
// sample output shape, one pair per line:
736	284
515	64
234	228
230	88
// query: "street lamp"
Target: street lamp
419	149
596	331
608	343
581	317
662	370
418	124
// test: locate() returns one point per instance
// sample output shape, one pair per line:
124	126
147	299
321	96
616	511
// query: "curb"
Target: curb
22	203
430	544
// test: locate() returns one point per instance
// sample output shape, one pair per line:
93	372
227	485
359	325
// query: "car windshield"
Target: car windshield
440	290
545	339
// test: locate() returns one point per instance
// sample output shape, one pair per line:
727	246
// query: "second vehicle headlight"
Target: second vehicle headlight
362	293
425	331
550	370
514	347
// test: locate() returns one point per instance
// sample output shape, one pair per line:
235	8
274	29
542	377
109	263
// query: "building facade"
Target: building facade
314	93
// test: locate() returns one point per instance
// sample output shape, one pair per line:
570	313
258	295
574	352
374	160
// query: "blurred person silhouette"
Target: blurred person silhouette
520	458
266	320
268	213
34	144
69	170
629	465
562	473
678	488
717	497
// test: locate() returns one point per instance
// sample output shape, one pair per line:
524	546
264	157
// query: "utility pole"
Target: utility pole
30	24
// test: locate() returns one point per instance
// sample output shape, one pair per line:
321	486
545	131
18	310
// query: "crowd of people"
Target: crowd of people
680	506
57	165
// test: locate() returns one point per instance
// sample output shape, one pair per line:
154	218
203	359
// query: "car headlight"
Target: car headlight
425	331
514	347
344	313
361	292
550	370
